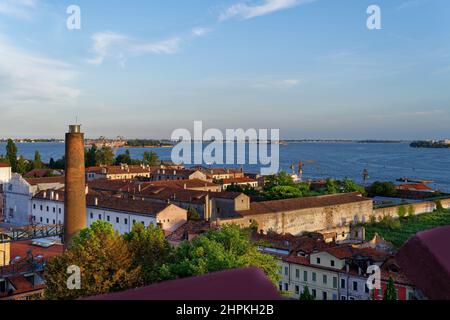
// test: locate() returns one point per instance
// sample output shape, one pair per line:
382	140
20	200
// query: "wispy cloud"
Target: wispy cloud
120	47
29	78
277	84
411	4
17	8
245	10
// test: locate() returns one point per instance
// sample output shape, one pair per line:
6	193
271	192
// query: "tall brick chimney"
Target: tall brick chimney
75	185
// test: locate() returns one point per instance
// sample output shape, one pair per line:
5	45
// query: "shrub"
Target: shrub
411	211
401	212
439	206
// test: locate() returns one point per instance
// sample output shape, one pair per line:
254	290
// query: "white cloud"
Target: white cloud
17	8
277	84
28	78
120	47
248	11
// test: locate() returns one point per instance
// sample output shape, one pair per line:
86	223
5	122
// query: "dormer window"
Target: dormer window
332	263
318	260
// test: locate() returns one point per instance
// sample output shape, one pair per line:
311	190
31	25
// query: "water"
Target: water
385	161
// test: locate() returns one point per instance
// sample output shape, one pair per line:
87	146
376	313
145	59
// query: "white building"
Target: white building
18	193
48	208
5	173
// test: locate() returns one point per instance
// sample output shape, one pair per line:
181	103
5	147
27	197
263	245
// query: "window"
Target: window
286	271
92	215
117	220
40	219
34	206
314	293
297	289
125	221
54	210
54	221
48	221
318	260
286	287
335	282
297	273
355	286
342	283
280	286
343	298
108	218
59	210
305	276
314	277
332	263
34	218
48	209
99	217
41	207
324	278
324	296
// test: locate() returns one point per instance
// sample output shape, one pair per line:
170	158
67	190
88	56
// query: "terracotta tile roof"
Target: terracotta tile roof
414	187
21	248
346	252
186	183
302	203
39	173
130	169
113	185
234	284
126	205
4	165
306	243
425	259
45	180
239	180
176	194
190	229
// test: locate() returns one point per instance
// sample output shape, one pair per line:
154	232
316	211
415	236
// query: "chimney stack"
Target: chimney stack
75	185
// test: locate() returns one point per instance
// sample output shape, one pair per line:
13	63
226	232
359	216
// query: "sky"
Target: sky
141	69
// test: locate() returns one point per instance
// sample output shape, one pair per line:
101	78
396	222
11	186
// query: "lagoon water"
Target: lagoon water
385	161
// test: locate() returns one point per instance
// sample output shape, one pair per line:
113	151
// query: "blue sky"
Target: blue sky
144	68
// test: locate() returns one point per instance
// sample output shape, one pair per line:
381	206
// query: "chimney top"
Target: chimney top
75	128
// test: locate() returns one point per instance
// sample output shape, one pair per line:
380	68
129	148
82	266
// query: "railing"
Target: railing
30	232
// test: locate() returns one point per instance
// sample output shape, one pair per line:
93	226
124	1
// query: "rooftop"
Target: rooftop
234	284
303	203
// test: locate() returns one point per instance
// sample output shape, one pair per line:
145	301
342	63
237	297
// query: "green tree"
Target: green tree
332	186
91	156
411	211
22	166
218	250
37	162
383	189
104	156
192	214
150	158
349	185
306	296
280	179
105	262
124	158
401	212
439	206
390	293
150	251
283	192
11	154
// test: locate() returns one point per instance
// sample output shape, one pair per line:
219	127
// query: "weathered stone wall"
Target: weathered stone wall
309	220
419	208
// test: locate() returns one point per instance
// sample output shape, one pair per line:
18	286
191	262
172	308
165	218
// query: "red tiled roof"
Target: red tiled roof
113	185
239	180
302	203
4	165
425	258
188	183
235	284
343	252
416	186
38	173
45	180
126	205
21	248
